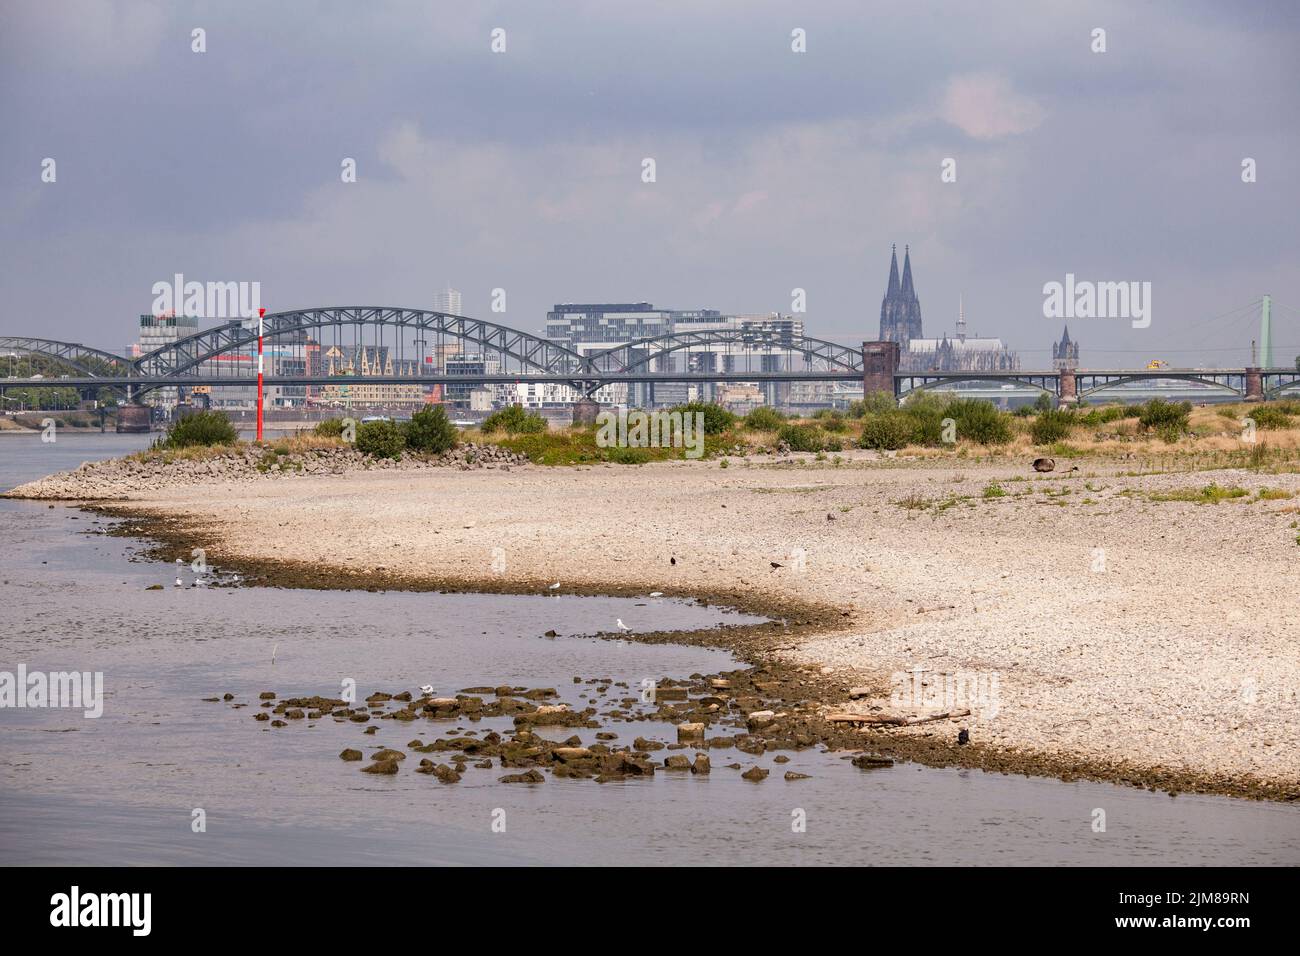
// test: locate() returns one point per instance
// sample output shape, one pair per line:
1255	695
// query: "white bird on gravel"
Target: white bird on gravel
554	586
621	626
179	583
656	593
427	690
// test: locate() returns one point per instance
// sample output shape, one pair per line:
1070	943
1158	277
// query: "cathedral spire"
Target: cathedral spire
900	312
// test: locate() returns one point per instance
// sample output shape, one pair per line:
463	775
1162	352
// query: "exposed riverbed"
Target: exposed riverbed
123	788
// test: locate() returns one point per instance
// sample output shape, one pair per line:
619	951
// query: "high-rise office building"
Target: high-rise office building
157	331
447	301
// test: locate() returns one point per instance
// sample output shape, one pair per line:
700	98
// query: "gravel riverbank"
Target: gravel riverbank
1089	625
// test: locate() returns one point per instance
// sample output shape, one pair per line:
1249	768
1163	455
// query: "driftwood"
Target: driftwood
944	716
867	719
888	720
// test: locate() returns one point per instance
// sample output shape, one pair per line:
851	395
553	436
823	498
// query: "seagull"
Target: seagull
554	586
179	561
427	690
656	593
621	626
179	583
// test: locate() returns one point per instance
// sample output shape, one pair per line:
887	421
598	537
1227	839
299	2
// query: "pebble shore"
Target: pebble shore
1148	641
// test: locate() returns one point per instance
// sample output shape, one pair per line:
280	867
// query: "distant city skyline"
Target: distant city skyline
775	170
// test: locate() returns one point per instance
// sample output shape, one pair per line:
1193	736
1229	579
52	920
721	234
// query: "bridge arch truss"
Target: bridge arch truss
639	354
72	354
394	328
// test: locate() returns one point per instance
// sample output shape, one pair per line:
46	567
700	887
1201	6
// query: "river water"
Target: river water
124	788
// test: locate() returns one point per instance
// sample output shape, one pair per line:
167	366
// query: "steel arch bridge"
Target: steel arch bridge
640	353
236	336
908	383
222	356
72	354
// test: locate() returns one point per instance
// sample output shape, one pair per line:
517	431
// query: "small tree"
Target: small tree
381	439
803	437
1043	402
514	420
979	421
1052	426
203	428
429	430
888	431
873	404
716	418
329	428
1165	417
765	418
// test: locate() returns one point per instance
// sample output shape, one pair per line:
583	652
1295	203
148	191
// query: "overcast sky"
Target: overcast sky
775	170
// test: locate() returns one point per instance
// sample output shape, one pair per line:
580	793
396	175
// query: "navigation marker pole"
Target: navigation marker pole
261	328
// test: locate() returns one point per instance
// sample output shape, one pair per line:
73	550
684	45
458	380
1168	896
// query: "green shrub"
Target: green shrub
200	428
873	404
381	439
765	418
1268	417
430	431
627	456
831	420
514	420
1043	403
1104	416
716	418
1164	417
329	428
979	421
802	437
888	431
1052	426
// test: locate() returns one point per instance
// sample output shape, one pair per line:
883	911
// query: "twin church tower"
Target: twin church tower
900	321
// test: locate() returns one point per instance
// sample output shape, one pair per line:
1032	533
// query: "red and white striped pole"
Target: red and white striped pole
260	329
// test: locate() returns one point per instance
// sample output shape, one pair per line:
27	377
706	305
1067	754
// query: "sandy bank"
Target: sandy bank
1155	642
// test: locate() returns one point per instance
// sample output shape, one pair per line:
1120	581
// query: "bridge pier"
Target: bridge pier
134	419
879	365
1254	385
585	411
1067	390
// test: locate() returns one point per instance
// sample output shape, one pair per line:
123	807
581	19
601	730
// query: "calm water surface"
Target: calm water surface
122	788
